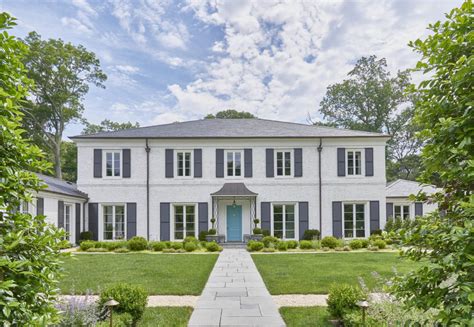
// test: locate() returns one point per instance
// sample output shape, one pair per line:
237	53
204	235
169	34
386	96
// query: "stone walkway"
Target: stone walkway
235	295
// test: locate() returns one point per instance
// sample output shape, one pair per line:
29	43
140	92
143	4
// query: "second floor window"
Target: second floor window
283	163
183	159
234	163
401	211
114	222
354	162
113	163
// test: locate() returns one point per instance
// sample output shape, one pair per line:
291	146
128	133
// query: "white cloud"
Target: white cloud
84	6
76	25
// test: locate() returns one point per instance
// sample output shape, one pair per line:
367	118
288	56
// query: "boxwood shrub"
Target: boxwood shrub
355	244
292	244
306	245
269	240
212	247
343	298
365	243
282	246
86	245
137	243
329	242
255	246
190	246
380	244
176	245
132	299
311	234
157	246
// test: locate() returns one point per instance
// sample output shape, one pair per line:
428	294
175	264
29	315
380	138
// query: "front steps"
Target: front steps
233	245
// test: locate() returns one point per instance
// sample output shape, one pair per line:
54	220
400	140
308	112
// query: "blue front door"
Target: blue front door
234	223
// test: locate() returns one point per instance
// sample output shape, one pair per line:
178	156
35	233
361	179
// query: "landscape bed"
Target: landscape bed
165	274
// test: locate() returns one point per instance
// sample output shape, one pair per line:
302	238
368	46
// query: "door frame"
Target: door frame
241	222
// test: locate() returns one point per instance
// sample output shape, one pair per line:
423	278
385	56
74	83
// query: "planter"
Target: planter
212	238
256	237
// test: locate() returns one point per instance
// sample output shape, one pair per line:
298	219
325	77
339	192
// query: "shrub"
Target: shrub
137	243
340	243
85	236
86	245
305	245
269	239
191	239
342	299
97	250
380	244
268	250
255	246
365	243
376	232
121	250
265	232
282	246
338	248
176	245
202	235
212	247
346	248
325	249
311	234
355	244
190	246
65	244
120	320
169	250
180	250
292	244
132	299
157	246
316	244
372	248
111	246
212	231
257	231
389	225
329	242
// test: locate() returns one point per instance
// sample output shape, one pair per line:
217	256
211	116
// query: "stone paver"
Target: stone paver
235	295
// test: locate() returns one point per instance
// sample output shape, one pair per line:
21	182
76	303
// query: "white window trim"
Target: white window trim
196	220
292	163
366	220
113	151
402	205
362	163
101	226
69	232
242	165
297	215
191	163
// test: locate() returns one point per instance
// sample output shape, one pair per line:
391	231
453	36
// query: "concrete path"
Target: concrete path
235	295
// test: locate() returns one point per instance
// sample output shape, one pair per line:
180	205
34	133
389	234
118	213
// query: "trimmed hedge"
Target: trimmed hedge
132	299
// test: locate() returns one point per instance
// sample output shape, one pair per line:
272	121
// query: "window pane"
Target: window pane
116	164
237	163
190	221
119	222
108	164
289	221
187	164
350	163
406	212
279	163
180	164
358	163
360	221
230	164
278	221
108	223
398	213
287	163
178	222
348	220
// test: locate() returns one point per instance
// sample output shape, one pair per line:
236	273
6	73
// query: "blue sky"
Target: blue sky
172	61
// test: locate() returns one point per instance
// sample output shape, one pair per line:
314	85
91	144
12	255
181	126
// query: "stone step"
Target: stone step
234	245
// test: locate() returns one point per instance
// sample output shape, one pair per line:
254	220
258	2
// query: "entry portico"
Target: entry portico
234	207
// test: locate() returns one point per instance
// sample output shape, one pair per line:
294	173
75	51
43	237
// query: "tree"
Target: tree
230	114
445	238
69	161
29	247
374	101
107	126
62	73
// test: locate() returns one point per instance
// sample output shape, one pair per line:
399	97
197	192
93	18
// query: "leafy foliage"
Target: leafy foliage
445	112
107	126
29	247
132	299
230	114
343	298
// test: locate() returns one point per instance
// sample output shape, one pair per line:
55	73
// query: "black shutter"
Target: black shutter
60	214
94	220
97	163
219	163
270	167
198	163
389	210
126	164
303	213
369	161
337	219
298	162
131	220
418	209
78	222
266	212
165	221
374	215
39	206
203	216
248	163
169	157
341	162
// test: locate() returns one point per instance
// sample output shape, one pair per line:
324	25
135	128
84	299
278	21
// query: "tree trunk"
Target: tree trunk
57	159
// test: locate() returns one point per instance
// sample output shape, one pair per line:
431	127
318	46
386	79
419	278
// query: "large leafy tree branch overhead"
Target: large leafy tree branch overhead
62	73
230	114
107	126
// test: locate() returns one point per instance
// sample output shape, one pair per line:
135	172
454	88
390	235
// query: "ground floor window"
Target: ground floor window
184	221
401	211
354	222
284	221
67	219
23	207
114	222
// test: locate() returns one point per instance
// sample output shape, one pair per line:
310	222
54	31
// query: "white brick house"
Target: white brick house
167	181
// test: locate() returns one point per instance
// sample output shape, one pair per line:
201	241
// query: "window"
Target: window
284	221
23	208
401	211
234	163
184	221
354	162
112	163
283	163
183	159
354	222
67	220
114	222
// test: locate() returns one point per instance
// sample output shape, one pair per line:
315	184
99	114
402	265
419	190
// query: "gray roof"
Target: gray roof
402	188
231	128
59	186
234	189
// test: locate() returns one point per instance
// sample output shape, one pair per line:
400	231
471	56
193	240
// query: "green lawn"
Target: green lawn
305	316
313	273
166	317
166	274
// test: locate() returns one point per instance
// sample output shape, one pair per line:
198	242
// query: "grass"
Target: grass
163	274
305	316
314	273
166	316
